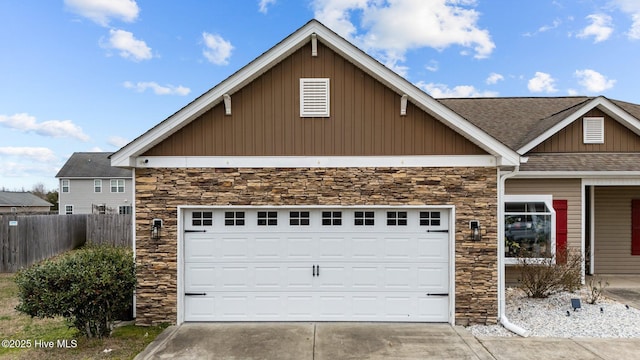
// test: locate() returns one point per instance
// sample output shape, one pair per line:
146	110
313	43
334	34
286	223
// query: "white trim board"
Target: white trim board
314	161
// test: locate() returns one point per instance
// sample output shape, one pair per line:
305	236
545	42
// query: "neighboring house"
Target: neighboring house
24	203
90	185
315	184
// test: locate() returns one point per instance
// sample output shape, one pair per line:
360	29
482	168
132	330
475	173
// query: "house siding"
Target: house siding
617	138
265	118
82	196
613	230
473	192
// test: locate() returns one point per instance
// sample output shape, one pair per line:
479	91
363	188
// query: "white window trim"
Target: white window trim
593	130
316	91
548	201
68	182
65	210
97	183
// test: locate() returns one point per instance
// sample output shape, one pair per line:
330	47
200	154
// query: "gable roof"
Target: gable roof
126	156
21	199
525	122
91	165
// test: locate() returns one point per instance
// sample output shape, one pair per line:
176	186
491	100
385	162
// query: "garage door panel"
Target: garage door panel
433	278
300	248
433	247
399	248
200	248
365	248
200	277
433	308
235	278
267	248
332	248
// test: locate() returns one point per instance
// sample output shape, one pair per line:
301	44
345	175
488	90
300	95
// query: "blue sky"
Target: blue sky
91	75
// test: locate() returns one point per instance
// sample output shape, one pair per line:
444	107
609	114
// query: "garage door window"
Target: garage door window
396	218
332	218
234	218
202	218
429	218
299	218
365	218
267	218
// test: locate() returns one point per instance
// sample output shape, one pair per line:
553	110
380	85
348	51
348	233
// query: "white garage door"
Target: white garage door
301	264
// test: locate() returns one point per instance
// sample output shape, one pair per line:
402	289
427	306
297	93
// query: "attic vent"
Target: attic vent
314	97
593	130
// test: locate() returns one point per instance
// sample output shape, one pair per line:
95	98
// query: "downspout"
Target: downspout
501	274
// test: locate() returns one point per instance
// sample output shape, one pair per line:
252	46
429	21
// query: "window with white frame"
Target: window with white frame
529	227
68	209
314	97
97	186
125	210
66	186
117	185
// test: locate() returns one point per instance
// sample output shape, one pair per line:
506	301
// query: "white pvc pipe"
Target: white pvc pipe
501	274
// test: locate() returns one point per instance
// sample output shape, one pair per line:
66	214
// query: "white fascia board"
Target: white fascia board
314	161
577	174
605	105
125	157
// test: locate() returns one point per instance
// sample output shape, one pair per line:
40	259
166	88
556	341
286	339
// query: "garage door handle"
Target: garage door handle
195	294
314	270
192	231
438	231
318	270
438	294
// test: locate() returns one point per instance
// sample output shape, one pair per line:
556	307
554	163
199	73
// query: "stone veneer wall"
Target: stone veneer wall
473	191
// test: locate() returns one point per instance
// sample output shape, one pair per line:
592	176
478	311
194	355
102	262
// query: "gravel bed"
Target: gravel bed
549	318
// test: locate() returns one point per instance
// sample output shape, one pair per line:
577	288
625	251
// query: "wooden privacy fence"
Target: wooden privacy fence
27	239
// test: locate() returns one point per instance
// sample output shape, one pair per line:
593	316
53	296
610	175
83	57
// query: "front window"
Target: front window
65	186
117	185
97	185
529	227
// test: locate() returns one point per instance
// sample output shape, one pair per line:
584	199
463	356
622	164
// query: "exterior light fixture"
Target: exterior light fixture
474	225
156	229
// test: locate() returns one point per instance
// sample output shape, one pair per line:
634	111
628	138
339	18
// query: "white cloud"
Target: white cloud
600	28
264	4
102	11
40	154
391	28
460	91
432	66
54	128
542	82
129	47
631	7
157	89
634	32
593	81
117	141
554	25
217	50
494	78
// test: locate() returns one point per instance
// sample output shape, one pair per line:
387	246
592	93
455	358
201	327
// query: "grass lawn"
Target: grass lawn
33	334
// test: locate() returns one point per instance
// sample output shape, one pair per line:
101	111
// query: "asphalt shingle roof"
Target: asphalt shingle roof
10	198
582	162
91	165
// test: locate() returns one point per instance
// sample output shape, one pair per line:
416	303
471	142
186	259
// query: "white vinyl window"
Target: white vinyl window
529	227
68	209
66	186
117	185
593	130
125	210
97	186
314	97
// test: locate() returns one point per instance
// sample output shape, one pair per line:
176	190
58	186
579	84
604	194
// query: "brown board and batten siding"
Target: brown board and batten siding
364	118
617	138
613	230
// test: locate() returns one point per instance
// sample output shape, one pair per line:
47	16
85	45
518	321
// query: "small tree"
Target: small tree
90	288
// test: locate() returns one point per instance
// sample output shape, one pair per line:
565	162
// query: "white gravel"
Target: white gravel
548	317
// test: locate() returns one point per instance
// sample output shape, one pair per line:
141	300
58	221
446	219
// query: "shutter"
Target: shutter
560	206
314	97
635	227
593	129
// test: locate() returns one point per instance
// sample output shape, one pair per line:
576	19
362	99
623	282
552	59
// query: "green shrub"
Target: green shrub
90	288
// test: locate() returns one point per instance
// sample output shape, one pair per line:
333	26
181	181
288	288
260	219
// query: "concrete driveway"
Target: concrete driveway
338	341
